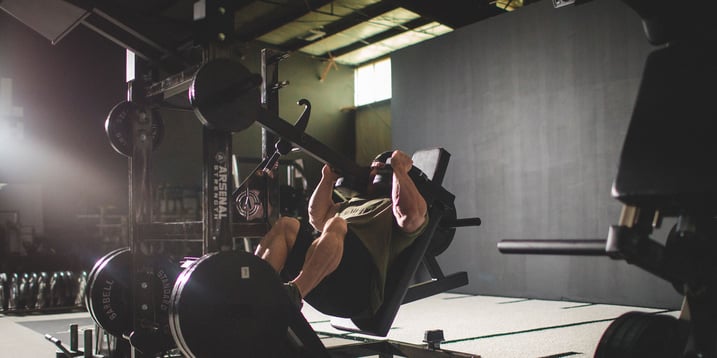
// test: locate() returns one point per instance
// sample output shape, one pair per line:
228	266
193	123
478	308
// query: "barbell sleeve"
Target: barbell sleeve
583	247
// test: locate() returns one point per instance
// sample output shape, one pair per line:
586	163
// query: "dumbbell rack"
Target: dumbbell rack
42	292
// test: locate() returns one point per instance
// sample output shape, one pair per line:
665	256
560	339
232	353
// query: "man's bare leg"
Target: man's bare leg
275	246
323	256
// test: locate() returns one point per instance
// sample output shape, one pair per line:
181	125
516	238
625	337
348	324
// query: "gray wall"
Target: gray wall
534	106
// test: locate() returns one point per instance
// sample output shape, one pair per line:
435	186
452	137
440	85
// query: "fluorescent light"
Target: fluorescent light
361	31
315	19
391	44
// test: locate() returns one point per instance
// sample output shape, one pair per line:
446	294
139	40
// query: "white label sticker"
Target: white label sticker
245	272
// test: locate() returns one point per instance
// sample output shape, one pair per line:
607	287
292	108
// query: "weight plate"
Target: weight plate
639	334
109	298
118	126
225	95
229	303
95	268
108	292
443	236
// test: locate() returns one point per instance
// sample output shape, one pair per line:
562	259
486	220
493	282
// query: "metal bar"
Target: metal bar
188	228
132	32
87	346
418	351
391	348
311	146
124	43
586	247
309	340
430	288
140	206
217	151
70	28
637	248
174	84
58	344
433	267
270	100
74	338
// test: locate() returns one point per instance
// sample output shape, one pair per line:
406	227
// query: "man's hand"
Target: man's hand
401	162
329	174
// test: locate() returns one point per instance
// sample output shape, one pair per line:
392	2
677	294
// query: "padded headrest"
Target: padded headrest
433	162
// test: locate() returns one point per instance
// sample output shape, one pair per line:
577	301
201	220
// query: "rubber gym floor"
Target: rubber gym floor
487	326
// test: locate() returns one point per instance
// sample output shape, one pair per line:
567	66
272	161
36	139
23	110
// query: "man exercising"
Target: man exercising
343	271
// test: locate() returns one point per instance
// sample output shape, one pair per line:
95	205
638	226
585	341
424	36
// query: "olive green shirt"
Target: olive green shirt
372	221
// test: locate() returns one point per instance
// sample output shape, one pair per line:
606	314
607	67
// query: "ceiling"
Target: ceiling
349	32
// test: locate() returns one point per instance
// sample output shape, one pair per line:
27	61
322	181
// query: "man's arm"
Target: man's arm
321	204
409	207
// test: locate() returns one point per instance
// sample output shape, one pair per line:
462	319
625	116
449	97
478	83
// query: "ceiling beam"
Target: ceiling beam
453	13
396	30
355	18
149	35
283	14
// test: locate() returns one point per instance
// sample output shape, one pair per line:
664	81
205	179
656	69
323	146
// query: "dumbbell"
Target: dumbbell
70	288
80	287
43	297
23	291
57	289
13	292
3	301
31	291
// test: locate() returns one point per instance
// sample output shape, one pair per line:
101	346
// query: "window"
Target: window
11	124
372	82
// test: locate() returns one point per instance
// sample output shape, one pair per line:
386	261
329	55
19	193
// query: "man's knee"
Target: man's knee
287	225
336	225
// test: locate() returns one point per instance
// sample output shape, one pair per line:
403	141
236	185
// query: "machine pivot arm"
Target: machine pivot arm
310	145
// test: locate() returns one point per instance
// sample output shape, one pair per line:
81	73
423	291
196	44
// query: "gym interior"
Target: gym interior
563	148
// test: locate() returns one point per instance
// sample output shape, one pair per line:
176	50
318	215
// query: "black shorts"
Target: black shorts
344	293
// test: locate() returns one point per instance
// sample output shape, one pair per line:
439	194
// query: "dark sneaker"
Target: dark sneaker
294	294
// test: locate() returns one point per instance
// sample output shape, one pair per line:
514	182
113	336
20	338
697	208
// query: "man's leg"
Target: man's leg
323	257
275	246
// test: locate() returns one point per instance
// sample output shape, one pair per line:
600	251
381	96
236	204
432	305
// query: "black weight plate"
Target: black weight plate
639	334
109	299
229	304
155	279
225	95
108	292
443	236
118	126
91	276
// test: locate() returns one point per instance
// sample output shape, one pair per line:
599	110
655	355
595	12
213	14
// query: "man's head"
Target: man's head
380	176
